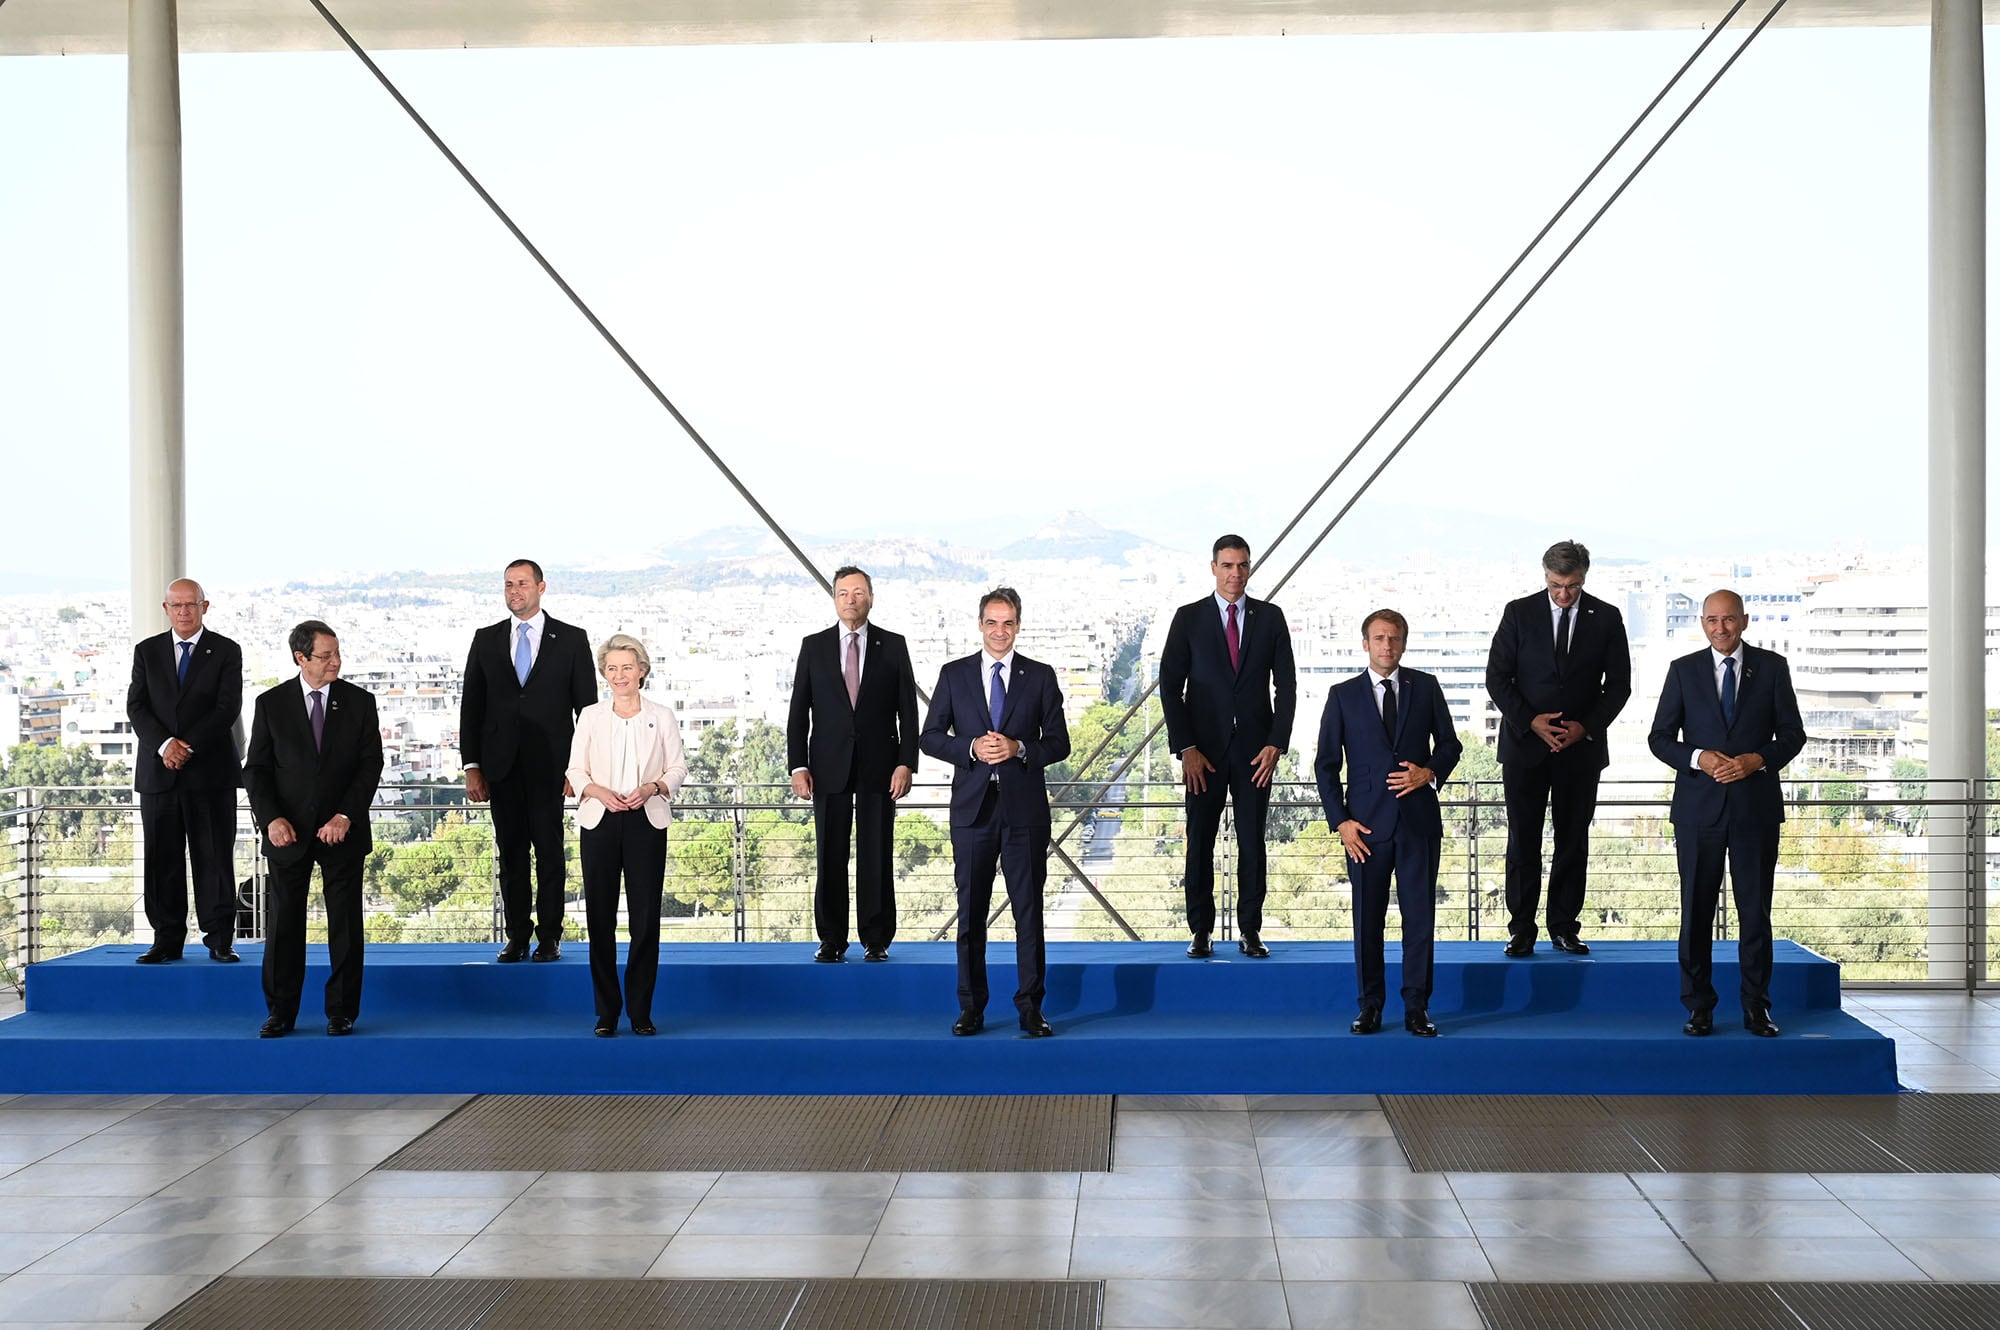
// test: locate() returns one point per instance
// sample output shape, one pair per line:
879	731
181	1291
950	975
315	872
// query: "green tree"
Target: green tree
32	767
703	855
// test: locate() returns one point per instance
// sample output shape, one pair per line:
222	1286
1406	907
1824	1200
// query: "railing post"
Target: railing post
31	885
1975	883
1225	872
740	851
1472	892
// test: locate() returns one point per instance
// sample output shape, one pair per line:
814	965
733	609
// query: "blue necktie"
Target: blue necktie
522	658
996	696
1729	690
182	668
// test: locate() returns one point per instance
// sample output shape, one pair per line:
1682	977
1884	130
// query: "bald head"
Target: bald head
185	605
1723	620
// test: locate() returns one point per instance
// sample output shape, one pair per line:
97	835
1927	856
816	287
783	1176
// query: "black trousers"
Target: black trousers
871	817
1022	853
285	930
180	825
1412	856
1565	784
626	844
1752	852
1230	779
528	814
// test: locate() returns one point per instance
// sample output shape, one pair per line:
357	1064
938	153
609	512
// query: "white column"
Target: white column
153	214
1957	454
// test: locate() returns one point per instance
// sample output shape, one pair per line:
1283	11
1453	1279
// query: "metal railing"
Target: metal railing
1858	878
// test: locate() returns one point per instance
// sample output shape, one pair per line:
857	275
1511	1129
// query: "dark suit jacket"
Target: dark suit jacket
1767	723
288	779
1033	715
502	721
854	747
1351	727
1207	704
201	713
1522	680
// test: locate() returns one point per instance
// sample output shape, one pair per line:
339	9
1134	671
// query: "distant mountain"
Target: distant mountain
1075	535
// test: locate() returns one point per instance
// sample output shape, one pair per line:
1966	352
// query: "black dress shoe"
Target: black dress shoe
1034	1027
877	954
339	1025
1699	1023
223	952
1367	1022
1521	944
1758	1022
606	1029
644	1027
157	954
274	1027
513	951
969	1022
1199	948
1570	943
548	951
829	954
1419	1024
1250	945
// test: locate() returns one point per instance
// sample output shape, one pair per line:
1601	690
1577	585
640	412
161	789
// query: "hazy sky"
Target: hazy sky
951	290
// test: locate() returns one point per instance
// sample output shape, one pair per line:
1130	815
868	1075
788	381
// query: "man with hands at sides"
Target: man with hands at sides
1391	729
851	744
1228	691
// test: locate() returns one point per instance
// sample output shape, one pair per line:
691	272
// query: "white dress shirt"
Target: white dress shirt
1715	659
176	645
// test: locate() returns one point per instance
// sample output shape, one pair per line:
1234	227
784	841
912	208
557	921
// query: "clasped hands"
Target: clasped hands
282	833
622	803
1195	767
1728	770
175	755
994	748
1556	732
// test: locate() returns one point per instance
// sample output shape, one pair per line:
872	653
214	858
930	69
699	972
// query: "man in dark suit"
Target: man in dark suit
184	701
851	744
1229	693
1728	722
1560	671
996	719
1392	730
315	759
525	679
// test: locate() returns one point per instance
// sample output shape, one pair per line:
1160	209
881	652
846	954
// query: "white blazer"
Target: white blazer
590	759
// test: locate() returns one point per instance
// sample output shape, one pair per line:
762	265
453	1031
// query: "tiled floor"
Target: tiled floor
1225	1211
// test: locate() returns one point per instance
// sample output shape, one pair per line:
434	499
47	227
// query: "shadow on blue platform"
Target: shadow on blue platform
760	1018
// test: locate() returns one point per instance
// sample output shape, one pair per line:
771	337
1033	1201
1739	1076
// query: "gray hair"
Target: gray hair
1566	558
626	642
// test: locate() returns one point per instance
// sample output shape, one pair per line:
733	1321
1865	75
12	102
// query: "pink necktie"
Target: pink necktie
851	671
1235	642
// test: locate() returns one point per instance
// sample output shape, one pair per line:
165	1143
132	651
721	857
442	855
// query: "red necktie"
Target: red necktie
1235	641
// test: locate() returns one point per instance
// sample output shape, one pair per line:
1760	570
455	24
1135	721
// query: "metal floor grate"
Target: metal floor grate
766	1133
1737	1306
654	1304
1912	1133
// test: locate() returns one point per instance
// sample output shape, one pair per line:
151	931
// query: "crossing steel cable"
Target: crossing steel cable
1439	354
582	307
1522	303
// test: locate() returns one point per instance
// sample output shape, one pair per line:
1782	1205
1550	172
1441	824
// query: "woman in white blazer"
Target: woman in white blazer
626	764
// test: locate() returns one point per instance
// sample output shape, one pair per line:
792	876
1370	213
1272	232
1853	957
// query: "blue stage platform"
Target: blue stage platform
751	1018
